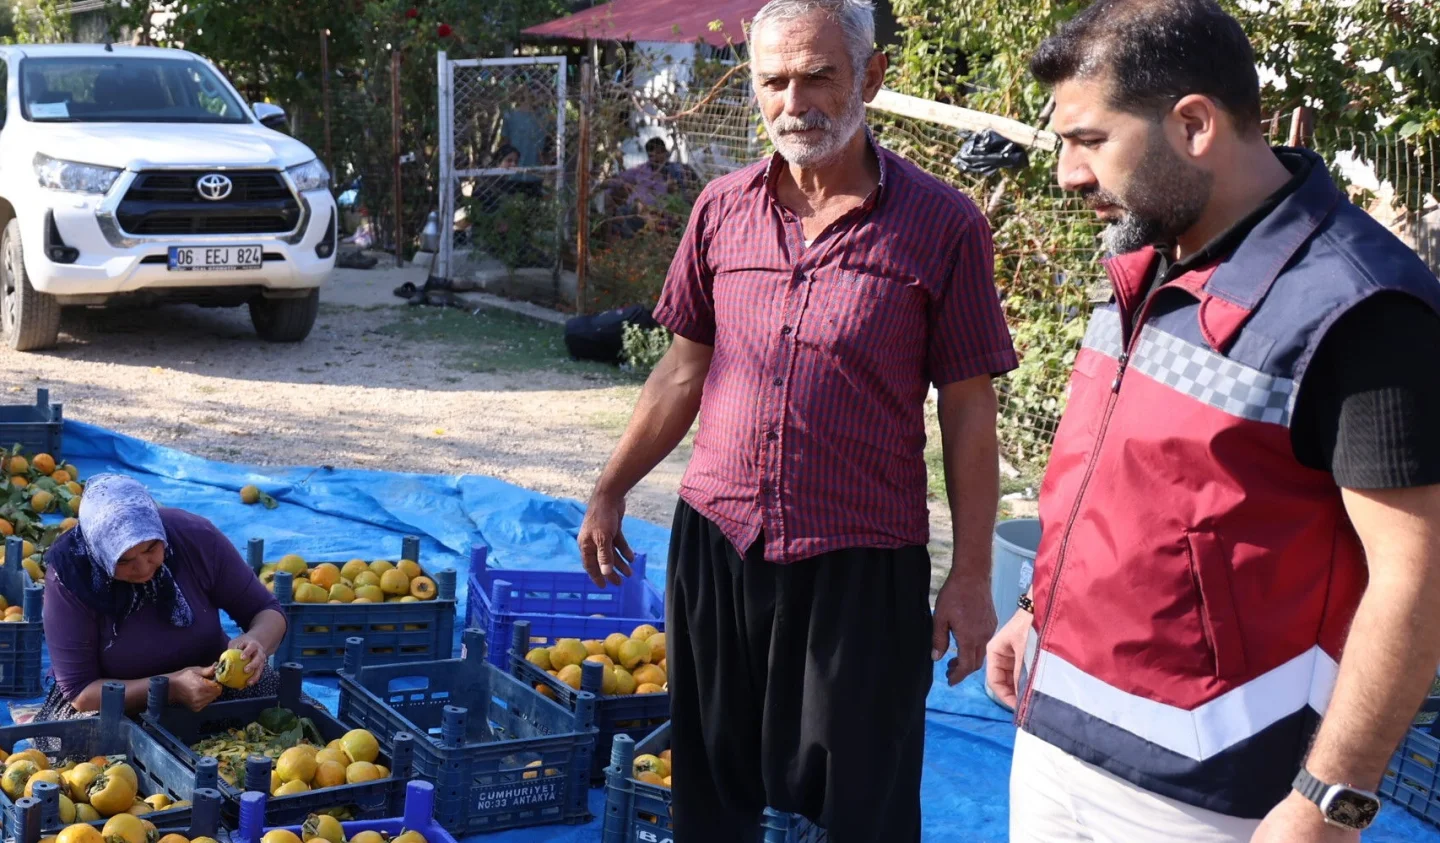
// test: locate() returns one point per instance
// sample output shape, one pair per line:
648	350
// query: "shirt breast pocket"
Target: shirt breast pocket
853	311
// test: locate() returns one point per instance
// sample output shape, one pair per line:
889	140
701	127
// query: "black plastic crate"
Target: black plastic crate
524	762
394	632
34	814
178	728
109	733
21	643
639	812
36	428
636	715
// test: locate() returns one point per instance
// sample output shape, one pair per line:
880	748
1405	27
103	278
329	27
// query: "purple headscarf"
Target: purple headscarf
118	515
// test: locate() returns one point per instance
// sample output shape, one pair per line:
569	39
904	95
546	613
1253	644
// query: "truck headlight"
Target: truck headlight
74	177
311	175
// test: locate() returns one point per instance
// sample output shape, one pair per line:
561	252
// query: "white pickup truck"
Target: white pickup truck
138	174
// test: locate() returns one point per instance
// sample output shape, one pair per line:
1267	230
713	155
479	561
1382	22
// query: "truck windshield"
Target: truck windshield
105	89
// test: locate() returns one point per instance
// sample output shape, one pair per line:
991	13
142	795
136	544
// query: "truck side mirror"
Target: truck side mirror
271	116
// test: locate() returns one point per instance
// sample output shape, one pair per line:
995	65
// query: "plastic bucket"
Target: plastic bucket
1012	563
1012	566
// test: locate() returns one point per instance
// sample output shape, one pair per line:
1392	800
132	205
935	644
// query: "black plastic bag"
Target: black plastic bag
600	336
988	152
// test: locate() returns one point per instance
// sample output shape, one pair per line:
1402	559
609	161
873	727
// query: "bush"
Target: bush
514	231
626	270
642	349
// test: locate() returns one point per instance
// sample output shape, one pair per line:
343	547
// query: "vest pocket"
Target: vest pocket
1210	566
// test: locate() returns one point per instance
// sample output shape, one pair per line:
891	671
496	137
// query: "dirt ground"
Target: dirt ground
377	385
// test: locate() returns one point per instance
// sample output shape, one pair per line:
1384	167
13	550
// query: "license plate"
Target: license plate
215	258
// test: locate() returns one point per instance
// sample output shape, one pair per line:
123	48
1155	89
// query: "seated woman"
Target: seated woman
135	591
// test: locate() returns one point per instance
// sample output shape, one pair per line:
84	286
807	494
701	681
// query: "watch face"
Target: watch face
1352	810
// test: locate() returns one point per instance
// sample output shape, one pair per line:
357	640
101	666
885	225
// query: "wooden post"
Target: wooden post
1299	127
395	154
582	185
325	93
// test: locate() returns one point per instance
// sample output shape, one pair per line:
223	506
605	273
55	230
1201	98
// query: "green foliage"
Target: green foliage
642	349
1336	58
626	270
514	230
37	22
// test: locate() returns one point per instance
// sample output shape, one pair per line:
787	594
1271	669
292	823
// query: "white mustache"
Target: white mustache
805	122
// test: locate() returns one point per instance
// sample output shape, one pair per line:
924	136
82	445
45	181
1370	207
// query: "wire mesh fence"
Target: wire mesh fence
1396	180
658	133
503	168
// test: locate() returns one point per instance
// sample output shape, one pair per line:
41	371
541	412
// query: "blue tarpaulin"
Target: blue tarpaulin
339	514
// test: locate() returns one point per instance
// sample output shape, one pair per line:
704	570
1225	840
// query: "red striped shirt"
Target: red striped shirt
812	427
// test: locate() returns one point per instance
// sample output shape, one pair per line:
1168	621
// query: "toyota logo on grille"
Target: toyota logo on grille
214	187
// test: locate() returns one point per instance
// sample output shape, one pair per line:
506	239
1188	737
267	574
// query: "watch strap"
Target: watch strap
1310	787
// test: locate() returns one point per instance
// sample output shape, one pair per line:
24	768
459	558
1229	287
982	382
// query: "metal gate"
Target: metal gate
502	163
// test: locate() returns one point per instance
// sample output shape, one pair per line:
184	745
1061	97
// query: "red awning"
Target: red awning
675	21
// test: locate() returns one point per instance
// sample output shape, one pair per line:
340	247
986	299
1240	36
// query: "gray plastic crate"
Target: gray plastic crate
36	428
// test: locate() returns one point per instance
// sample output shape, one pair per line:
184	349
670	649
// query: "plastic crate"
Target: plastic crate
178	728
109	733
393	632
634	715
418	814
33	814
35	428
1412	778
21	643
636	812
558	604
526	763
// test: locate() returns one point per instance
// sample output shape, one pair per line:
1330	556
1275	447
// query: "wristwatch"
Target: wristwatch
1340	804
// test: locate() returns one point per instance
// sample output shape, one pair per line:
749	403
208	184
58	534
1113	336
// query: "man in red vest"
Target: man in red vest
1240	515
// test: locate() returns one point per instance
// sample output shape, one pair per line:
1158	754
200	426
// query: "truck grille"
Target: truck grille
167	203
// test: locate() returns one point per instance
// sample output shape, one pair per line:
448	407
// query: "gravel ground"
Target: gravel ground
377	385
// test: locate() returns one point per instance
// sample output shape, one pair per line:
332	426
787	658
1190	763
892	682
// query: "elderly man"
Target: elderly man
814	299
1242	508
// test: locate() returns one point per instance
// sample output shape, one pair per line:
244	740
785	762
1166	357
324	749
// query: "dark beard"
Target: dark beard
1165	197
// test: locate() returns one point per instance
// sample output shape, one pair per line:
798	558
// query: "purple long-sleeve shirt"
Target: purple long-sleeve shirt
84	646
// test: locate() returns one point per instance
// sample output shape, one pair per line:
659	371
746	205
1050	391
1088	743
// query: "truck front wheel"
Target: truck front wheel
285	320
29	319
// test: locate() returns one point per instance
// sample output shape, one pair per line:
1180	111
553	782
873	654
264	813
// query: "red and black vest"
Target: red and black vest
1195	582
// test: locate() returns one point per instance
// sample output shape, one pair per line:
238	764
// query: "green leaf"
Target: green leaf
1410	129
310	732
277	720
290	737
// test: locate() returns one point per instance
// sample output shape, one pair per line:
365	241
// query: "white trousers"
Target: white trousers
1057	798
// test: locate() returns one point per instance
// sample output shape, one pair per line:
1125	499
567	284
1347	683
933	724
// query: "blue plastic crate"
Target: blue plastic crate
525	763
393	632
177	728
637	812
33	814
557	604
21	643
634	715
1412	779
109	733
36	428
418	814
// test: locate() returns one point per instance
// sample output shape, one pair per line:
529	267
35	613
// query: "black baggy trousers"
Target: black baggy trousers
800	687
